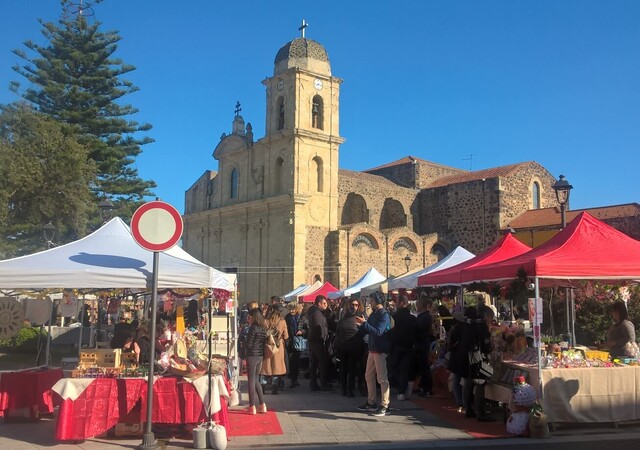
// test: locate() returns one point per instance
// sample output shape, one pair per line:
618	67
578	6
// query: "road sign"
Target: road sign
156	226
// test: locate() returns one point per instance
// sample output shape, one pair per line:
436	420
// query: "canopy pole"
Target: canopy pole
573	318
537	338
210	354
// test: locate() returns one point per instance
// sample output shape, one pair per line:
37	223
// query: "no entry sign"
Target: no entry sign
156	226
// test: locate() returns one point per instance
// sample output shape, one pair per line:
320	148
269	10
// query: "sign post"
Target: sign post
156	226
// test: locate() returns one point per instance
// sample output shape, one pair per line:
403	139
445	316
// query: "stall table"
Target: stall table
90	407
576	395
28	390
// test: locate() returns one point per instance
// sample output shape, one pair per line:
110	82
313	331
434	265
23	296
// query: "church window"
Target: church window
365	240
278	176
317	113
317	172
233	193
535	195
354	210
280	113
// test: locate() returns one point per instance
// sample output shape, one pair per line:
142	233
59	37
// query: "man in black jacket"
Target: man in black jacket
402	358
320	364
424	324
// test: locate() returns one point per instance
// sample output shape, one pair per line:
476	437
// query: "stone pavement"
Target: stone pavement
328	420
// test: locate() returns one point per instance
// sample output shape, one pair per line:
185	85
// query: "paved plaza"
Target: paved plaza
328	420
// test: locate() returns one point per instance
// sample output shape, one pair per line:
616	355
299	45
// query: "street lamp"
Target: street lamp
106	209
563	189
407	262
49	231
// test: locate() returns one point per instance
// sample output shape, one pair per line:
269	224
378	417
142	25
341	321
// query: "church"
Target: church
280	212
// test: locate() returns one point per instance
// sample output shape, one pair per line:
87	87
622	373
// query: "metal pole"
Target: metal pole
210	353
148	439
537	339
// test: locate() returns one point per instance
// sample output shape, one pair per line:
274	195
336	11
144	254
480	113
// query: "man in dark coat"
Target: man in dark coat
424	326
402	358
320	364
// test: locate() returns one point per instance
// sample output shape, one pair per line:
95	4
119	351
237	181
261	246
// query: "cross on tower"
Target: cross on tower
303	26
238	108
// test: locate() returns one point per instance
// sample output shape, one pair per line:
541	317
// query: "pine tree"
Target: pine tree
75	79
45	177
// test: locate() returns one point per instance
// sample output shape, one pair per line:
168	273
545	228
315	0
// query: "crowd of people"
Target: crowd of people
365	347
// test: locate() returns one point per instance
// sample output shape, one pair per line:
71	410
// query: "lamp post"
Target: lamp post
563	189
338	266
106	209
407	262
49	231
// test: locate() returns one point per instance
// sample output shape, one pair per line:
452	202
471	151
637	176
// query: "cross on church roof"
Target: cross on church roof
303	26
238	108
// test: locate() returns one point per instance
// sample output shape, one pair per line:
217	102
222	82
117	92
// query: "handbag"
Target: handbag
270	347
483	368
300	343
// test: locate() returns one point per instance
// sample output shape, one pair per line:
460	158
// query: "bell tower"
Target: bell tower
302	133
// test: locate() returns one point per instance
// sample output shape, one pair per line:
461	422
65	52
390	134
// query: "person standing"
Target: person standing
622	333
274	366
424	338
402	357
349	347
377	326
295	329
320	364
254	352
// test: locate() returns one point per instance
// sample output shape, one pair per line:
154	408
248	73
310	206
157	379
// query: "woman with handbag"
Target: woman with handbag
297	341
274	365
254	352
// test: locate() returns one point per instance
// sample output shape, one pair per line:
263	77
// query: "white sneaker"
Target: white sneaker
401	397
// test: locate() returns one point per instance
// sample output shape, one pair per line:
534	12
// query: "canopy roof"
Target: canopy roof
325	290
293	294
371	277
108	258
506	247
410	280
309	289
586	249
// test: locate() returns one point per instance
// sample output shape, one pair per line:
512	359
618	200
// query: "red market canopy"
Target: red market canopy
505	248
322	290
586	249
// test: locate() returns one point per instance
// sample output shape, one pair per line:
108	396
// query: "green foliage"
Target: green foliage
26	341
76	80
45	177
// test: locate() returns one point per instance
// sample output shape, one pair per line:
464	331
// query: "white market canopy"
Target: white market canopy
108	258
410	280
293	295
371	277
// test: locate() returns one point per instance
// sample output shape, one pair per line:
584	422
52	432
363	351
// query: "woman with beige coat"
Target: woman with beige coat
275	365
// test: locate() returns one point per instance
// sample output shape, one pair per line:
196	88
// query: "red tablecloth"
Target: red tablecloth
28	389
106	400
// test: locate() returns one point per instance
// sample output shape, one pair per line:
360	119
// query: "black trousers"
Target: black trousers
349	360
424	368
401	363
294	365
319	365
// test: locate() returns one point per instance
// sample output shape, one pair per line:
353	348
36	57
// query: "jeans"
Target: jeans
254	365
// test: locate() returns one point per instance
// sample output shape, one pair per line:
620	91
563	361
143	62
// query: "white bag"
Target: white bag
217	437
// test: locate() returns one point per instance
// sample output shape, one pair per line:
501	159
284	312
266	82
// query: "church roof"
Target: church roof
365	177
465	177
406	160
536	218
302	53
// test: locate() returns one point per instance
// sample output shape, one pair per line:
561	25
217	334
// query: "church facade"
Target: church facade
280	212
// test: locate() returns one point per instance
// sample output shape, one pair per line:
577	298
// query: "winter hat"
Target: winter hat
524	395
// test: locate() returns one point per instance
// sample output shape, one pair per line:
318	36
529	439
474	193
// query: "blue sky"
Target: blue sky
505	81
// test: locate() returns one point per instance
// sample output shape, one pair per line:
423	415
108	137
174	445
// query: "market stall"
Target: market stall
109	258
27	393
372	276
574	388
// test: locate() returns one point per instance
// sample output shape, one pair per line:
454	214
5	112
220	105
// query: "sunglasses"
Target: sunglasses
355	304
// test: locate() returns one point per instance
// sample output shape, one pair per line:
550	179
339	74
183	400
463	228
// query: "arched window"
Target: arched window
317	113
280	113
277	176
233	192
535	195
439	251
318	167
